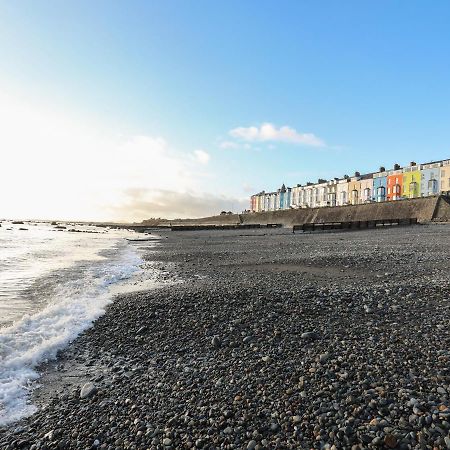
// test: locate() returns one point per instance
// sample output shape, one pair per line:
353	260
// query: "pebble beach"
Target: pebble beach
262	339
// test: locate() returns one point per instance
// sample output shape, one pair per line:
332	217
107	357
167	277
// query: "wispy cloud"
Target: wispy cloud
201	156
267	132
235	145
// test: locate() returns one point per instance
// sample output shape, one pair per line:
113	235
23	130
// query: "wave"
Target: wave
37	338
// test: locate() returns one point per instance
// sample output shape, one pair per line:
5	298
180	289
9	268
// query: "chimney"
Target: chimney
346	177
412	164
382	169
357	174
396	166
321	180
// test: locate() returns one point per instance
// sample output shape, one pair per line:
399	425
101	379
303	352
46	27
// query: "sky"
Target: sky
122	111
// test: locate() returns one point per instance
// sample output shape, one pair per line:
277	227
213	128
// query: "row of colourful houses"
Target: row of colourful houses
415	180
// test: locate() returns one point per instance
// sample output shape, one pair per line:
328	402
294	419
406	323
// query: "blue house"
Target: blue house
430	183
282	197
380	185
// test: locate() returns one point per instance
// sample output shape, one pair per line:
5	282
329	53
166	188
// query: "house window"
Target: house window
381	193
413	189
367	193
433	186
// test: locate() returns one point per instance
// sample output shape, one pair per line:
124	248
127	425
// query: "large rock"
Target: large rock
88	390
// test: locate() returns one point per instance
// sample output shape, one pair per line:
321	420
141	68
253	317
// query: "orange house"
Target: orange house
394	185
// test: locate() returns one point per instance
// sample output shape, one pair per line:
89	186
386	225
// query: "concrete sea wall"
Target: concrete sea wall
422	208
425	209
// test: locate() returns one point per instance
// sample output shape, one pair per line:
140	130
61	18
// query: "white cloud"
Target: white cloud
58	166
201	156
268	132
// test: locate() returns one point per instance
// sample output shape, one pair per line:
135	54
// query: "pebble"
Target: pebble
88	390
318	372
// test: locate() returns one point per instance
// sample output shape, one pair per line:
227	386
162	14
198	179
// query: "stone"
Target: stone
215	342
251	445
167	442
310	335
274	426
447	441
88	390
390	441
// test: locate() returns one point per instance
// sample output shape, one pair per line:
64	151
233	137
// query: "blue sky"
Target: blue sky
369	81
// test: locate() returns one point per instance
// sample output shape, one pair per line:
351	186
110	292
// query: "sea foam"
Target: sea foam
37	338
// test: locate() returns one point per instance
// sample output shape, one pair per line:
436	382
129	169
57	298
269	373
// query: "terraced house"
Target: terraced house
398	183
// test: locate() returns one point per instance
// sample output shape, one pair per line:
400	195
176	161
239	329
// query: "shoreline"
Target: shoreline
276	342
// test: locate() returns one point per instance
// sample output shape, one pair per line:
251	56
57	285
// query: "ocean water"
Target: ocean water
53	285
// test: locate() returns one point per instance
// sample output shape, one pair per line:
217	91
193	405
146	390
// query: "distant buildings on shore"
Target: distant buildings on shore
415	180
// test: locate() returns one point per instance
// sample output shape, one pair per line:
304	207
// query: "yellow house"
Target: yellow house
411	181
354	189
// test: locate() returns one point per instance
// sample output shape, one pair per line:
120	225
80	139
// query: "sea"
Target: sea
54	282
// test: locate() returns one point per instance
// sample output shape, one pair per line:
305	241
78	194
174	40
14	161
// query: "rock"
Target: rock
88	390
251	445
310	335
167	442
215	342
266	359
247	339
447	441
390	441
49	435
274	426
